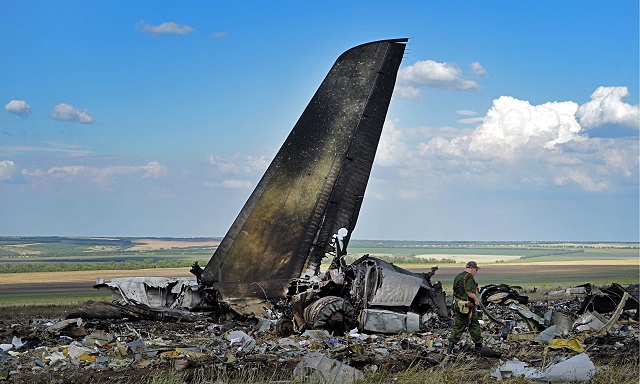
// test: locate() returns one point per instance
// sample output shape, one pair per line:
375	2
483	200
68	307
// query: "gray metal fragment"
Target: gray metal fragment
155	292
589	321
396	289
384	321
316	367
547	334
576	369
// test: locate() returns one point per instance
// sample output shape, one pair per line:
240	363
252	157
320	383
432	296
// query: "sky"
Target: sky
510	121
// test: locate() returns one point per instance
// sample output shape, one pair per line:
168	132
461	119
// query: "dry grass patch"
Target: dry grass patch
633	262
84	276
464	257
153	244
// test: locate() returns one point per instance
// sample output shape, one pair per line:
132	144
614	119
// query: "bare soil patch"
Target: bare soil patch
77	281
87	276
152	244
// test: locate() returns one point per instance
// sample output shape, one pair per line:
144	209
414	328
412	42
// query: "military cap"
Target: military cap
472	264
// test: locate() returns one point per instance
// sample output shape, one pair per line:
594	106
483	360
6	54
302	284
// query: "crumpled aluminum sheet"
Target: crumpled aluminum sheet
579	368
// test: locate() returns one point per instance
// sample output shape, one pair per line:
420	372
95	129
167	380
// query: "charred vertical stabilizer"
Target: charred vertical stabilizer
315	184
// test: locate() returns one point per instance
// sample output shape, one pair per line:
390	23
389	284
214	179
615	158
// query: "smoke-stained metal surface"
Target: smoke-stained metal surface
315	184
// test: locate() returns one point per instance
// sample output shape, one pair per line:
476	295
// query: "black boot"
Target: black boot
477	347
450	349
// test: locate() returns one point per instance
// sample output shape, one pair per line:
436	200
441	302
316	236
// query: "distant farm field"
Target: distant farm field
64	287
87	276
52	287
527	264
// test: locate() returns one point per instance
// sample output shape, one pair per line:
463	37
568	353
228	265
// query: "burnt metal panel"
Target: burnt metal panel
316	182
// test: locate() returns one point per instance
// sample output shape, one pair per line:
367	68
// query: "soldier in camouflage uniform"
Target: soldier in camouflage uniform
464	308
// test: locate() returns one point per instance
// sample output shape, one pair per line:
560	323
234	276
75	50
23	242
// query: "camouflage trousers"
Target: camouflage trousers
462	321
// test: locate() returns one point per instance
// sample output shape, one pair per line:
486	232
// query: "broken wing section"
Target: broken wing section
315	184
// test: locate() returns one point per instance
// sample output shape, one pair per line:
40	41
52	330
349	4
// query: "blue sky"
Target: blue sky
509	121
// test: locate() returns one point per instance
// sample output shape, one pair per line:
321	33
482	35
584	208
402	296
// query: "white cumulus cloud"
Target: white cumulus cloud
516	145
236	184
18	107
437	75
406	92
607	106
585	181
392	147
478	69
169	27
512	125
154	170
7	170
83	175
66	112
239	164
238	172
471	120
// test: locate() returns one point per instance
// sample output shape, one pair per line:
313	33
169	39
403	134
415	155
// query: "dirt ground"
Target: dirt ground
151	244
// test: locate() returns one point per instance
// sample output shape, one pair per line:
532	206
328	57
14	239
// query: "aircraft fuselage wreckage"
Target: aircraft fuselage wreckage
305	208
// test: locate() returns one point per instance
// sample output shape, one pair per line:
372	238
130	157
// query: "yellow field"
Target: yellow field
463	258
151	244
629	262
80	276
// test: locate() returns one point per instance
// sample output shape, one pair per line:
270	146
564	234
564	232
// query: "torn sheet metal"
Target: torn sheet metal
576	369
500	294
562	321
317	368
72	327
376	284
547	334
589	321
579	368
378	295
379	286
584	289
121	310
155	292
395	289
614	318
607	301
534	321
249	307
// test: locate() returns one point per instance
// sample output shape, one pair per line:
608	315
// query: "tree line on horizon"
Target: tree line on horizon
100	266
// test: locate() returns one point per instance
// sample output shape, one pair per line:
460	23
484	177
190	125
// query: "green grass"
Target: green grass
531	254
445	251
98	265
622	275
608	254
53	298
445	373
